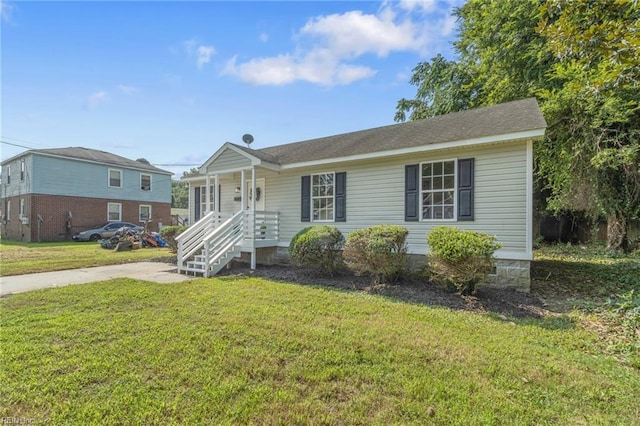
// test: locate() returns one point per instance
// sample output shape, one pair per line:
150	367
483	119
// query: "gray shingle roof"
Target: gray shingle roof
98	156
506	118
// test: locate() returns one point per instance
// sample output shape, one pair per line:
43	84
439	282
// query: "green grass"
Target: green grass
581	275
18	258
251	351
600	289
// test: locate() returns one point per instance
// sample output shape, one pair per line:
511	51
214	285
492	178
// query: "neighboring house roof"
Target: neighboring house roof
92	155
511	120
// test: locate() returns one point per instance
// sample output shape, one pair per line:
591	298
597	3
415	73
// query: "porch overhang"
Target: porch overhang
230	158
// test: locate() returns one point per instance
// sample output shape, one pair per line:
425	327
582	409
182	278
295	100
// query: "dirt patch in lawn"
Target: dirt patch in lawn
505	303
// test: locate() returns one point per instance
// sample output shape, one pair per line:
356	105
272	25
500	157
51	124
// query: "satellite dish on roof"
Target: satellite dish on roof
247	138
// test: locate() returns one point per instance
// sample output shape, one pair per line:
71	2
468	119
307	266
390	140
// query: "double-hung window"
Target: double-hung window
145	182
115	178
22	170
438	188
114	212
8	174
144	212
322	190
324	197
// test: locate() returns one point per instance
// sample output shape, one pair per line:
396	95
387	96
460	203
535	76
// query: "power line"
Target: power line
15	144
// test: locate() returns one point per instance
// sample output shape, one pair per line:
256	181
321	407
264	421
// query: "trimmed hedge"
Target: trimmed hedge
379	251
461	258
318	247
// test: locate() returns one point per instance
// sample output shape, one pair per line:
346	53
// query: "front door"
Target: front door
260	205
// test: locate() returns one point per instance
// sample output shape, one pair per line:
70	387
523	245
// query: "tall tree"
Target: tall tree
180	190
595	114
581	59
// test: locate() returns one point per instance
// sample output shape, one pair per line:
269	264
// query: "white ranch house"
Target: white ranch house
471	169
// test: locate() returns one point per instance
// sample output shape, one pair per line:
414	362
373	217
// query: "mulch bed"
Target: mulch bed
504	303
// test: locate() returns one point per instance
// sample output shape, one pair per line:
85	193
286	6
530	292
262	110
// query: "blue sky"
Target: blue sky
172	81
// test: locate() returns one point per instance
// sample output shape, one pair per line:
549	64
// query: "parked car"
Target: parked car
105	231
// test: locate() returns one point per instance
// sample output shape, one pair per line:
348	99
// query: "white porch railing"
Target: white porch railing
207	246
262	226
191	241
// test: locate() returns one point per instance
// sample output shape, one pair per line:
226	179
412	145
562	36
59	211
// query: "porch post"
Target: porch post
243	189
216	197
207	192
253	218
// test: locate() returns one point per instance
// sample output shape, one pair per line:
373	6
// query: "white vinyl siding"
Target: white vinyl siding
376	195
229	160
375	189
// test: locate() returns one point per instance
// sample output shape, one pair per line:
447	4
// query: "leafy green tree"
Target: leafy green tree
180	190
596	112
179	194
581	58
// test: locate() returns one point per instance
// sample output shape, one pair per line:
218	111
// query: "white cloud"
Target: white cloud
128	90
287	69
420	6
201	52
6	11
329	46
204	54
96	98
264	37
353	34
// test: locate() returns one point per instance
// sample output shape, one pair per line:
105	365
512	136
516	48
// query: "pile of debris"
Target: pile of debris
127	238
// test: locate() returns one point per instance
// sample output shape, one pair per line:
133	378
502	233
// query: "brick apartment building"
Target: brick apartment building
49	194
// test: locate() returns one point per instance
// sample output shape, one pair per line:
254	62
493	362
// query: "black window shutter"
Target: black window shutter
197	203
341	197
305	207
465	189
411	193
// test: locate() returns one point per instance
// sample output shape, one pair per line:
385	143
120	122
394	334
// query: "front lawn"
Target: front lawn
237	350
25	258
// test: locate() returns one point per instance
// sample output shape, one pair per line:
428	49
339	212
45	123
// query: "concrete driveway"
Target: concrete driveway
149	271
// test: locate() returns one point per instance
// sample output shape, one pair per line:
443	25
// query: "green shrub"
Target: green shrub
379	251
318	247
461	258
169	234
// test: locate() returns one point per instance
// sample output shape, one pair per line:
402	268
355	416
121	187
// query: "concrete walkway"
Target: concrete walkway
149	271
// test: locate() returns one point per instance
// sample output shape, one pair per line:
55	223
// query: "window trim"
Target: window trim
22	170
119	219
8	174
333	198
454	189
109	178
142	188
140	218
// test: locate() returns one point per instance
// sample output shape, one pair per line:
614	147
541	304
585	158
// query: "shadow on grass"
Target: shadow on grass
584	279
506	305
